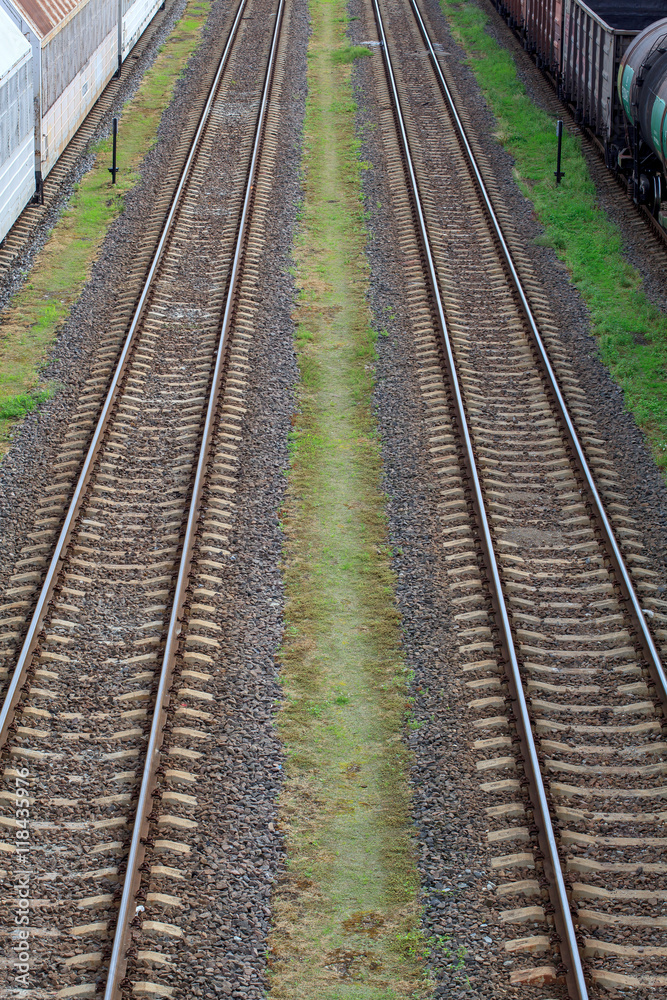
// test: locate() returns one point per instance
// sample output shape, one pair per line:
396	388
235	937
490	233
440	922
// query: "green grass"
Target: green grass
17	407
346	915
350	53
631	331
34	314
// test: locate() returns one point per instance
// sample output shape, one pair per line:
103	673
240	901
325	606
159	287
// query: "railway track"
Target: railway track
113	662
552	597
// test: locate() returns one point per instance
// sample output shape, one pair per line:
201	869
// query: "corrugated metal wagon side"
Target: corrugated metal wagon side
592	51
17	171
79	57
514	12
543	30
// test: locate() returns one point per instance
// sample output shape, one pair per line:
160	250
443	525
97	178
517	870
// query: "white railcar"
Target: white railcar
17	169
76	43
136	15
71	48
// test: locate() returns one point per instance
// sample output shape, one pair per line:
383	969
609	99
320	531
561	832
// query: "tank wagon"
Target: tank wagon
75	46
581	47
642	89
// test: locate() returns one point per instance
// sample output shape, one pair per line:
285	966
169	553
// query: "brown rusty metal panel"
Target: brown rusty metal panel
577	65
588	50
517	10
600	116
566	65
540	30
47	14
591	50
559	10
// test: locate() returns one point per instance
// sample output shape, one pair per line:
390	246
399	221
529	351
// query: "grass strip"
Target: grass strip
64	265
346	914
631	330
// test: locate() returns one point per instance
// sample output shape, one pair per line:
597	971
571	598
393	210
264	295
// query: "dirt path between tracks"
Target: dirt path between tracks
346	912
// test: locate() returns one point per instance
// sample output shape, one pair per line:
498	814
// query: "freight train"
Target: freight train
56	58
608	61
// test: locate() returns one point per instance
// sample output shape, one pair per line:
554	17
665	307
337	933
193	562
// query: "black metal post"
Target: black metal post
38	197
113	169
559	132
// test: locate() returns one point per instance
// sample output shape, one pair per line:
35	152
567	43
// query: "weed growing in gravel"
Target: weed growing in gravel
64	265
631	331
350	53
17	406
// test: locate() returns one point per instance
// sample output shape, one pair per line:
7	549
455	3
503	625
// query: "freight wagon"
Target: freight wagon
581	47
76	46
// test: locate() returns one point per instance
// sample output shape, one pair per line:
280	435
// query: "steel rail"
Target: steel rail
624	578
563	917
137	850
59	555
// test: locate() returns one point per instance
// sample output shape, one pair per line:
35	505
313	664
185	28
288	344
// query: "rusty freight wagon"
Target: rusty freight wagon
540	24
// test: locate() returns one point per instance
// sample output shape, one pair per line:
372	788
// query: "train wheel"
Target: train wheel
650	192
657	195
